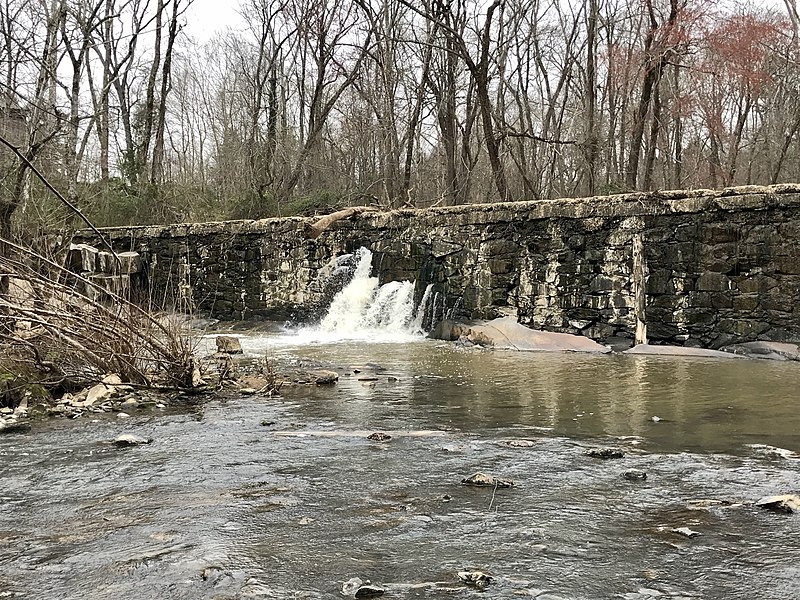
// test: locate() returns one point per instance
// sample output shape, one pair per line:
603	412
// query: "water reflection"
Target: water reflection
224	508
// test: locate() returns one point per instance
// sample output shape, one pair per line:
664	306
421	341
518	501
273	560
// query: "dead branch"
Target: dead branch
313	231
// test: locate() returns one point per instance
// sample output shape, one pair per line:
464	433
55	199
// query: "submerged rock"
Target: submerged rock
634	475
476	578
379	436
685	532
679	351
14	426
482	479
705	503
766	350
605	453
788	503
129	439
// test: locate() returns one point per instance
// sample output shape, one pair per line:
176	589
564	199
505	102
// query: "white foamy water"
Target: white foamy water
365	310
362	311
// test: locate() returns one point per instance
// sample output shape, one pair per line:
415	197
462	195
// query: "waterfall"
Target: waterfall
363	309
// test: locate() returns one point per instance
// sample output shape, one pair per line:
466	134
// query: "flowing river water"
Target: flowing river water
288	498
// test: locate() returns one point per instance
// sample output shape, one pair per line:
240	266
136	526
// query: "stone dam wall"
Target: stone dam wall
701	268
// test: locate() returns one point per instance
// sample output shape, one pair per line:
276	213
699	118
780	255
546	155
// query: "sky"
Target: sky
206	17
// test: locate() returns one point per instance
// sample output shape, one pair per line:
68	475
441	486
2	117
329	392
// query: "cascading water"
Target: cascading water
366	310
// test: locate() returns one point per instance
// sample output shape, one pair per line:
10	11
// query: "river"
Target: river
287	497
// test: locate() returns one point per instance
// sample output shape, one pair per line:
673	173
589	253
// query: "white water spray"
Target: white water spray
368	311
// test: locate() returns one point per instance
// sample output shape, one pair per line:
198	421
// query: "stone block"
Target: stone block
745	302
713	282
603	283
660	282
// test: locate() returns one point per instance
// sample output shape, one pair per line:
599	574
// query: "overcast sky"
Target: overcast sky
205	17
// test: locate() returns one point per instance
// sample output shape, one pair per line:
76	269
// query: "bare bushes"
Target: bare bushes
71	330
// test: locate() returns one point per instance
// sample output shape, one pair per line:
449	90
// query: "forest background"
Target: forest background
309	106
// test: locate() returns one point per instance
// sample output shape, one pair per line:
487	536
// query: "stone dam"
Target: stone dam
698	268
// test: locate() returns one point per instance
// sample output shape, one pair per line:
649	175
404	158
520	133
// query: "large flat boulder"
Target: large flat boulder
767	350
679	351
505	333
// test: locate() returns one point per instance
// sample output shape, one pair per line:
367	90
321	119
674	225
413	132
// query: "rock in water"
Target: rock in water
369	590
476	578
128	439
350	586
520	443
14	427
482	479
788	503
686	532
379	436
325	377
634	475
605	453
228	344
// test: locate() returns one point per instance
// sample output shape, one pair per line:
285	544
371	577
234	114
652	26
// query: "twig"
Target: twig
494	491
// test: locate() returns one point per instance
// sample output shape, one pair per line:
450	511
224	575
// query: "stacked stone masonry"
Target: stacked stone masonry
720	267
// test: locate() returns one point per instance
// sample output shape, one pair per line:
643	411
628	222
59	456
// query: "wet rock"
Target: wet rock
476	578
773	452
379	436
130	403
520	443
482	479
350	586
679	351
766	350
248	391
228	344
605	453
14	427
507	333
788	503
129	439
325	377
634	475
369	590
685	531
705	503
123	415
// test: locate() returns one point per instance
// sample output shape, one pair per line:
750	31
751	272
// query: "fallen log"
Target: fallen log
316	229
